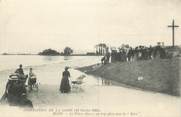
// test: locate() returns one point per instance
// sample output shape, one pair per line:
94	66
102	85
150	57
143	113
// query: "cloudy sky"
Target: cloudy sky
33	25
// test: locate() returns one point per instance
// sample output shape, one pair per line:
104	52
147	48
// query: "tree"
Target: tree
49	52
101	48
68	51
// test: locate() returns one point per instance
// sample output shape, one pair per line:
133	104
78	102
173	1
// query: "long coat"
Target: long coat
65	85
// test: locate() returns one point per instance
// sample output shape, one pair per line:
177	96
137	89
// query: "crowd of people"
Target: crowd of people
133	54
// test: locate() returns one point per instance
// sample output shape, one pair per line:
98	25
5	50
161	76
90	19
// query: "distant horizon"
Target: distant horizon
77	52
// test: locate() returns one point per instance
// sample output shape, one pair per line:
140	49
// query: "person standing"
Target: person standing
65	85
20	70
32	79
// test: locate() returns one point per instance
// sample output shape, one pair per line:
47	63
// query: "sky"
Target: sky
33	25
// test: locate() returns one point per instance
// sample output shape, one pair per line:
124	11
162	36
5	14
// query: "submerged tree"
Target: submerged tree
49	52
68	51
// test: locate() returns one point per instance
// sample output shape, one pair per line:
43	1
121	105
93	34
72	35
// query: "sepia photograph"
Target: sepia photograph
90	58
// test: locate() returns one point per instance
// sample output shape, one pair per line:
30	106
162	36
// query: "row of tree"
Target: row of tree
101	49
50	52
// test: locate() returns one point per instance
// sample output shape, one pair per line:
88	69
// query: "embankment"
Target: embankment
160	75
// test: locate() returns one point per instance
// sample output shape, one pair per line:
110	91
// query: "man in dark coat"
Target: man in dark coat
20	70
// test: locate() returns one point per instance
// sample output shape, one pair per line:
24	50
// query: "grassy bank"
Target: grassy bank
160	75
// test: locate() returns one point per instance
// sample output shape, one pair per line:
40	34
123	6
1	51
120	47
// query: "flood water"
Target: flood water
94	92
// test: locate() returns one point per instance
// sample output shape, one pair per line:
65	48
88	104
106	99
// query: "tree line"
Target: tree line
50	52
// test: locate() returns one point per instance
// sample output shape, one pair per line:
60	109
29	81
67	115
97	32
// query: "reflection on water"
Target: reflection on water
67	57
50	58
106	82
77	89
102	81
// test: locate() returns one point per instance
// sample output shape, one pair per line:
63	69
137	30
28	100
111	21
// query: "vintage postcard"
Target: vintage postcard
90	58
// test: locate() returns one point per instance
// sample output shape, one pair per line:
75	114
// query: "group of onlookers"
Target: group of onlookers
134	54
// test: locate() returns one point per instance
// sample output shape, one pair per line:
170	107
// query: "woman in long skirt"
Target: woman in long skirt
65	85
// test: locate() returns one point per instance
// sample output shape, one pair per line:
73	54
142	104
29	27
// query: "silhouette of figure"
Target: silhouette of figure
65	86
20	70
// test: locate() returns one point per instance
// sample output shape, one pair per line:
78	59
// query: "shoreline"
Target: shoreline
158	75
47	55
